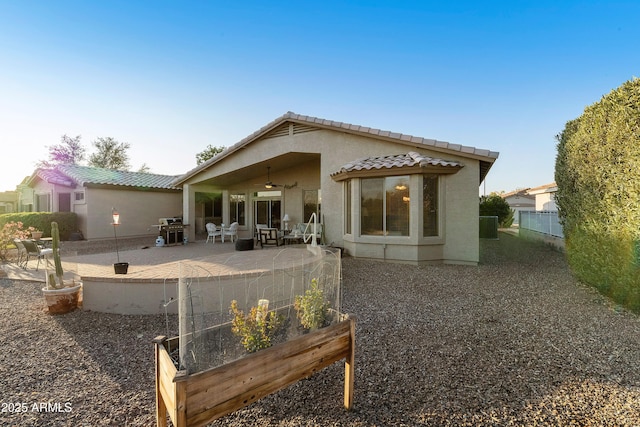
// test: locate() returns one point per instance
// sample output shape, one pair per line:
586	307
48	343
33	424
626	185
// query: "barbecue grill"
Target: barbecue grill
172	230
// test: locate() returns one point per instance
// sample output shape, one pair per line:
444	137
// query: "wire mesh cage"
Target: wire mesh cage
252	303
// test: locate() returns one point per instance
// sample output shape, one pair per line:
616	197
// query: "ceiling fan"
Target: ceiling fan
269	185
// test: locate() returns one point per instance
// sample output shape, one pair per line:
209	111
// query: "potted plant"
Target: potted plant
61	295
312	308
36	234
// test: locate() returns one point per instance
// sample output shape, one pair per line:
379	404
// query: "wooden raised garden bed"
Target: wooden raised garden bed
197	399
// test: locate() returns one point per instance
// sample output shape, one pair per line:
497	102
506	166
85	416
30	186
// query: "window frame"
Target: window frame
383	199
234	214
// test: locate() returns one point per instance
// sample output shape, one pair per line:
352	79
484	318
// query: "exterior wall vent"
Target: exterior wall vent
290	129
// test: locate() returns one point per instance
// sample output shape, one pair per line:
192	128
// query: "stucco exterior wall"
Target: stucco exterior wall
546	202
460	214
139	210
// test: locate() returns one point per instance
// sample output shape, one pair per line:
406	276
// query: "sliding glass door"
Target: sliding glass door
268	211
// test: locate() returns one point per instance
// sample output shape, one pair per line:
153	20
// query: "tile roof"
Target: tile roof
546	188
72	175
486	157
409	159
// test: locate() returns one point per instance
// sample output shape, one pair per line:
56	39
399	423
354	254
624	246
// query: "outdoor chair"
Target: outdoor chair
257	233
232	231
270	236
33	250
212	232
22	253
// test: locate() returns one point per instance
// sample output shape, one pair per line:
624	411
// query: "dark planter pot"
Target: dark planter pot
121	267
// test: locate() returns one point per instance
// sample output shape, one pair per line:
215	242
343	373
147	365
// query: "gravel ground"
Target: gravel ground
514	341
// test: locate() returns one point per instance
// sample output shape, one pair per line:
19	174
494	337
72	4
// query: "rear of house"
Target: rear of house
377	194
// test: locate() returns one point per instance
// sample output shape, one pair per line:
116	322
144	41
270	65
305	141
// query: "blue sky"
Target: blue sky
172	77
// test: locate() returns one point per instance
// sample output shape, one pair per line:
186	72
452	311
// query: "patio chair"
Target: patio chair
270	236
257	232
212	232
22	253
232	231
33	250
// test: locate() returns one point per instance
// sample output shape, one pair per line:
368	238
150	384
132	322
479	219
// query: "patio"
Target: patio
154	271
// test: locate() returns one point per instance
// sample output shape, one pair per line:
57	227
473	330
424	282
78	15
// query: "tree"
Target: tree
110	154
494	205
208	153
69	152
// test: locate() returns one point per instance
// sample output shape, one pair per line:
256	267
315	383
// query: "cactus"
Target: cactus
55	235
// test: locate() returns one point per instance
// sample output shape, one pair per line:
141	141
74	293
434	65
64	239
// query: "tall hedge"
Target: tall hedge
67	221
598	177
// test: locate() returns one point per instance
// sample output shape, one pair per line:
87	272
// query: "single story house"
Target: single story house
519	201
377	194
545	196
8	201
140	198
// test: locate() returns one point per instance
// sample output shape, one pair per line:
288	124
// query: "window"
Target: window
210	205
64	202
384	209
42	203
79	196
430	205
347	207
312	202
237	204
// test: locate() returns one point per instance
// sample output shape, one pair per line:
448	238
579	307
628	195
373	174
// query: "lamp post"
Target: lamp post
119	267
116	221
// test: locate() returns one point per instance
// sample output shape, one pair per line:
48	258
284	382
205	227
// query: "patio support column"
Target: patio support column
189	211
226	215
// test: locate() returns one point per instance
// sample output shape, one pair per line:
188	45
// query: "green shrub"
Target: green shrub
598	197
311	307
495	205
67	221
257	328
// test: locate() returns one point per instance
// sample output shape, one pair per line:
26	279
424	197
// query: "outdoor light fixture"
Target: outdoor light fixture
116	216
120	267
116	221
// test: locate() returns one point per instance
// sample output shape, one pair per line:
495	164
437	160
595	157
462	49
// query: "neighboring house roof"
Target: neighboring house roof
402	162
486	157
520	193
547	188
86	176
9	196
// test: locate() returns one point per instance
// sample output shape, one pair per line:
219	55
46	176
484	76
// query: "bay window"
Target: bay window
384	206
429	205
